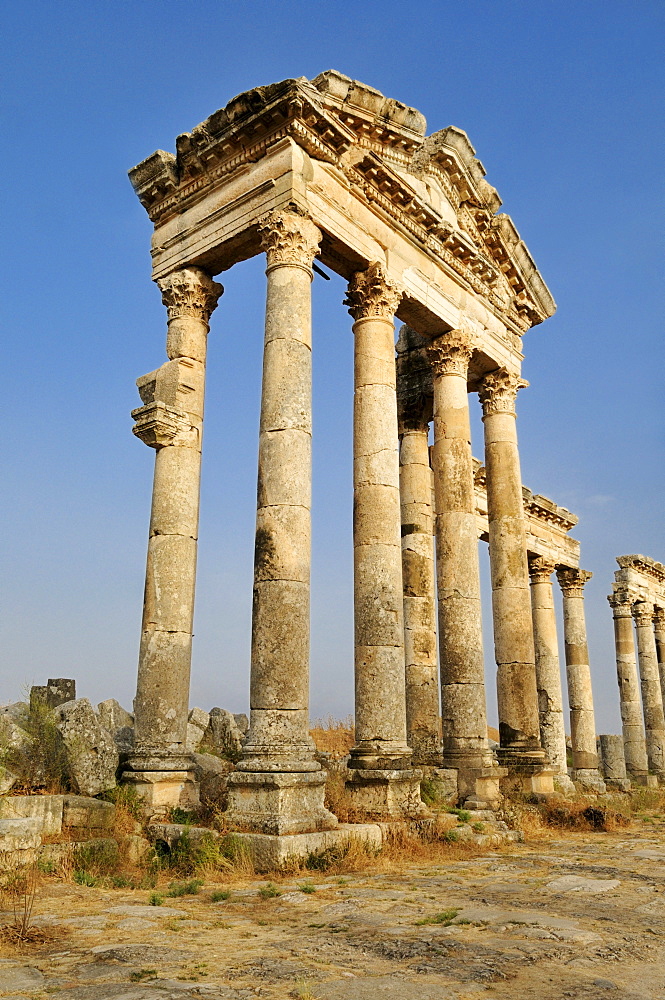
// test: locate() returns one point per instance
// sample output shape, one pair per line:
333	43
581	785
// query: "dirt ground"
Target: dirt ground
575	916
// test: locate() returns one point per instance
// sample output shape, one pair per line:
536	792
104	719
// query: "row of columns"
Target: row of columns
643	727
532	731
278	786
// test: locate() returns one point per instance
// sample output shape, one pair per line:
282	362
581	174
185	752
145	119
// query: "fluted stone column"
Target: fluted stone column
278	786
423	720
629	690
519	727
548	670
381	781
171	421
578	674
652	699
659	630
463	712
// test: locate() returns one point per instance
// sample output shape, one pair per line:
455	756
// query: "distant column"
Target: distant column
548	668
519	726
423	721
381	782
463	712
659	630
629	689
578	673
652	699
171	422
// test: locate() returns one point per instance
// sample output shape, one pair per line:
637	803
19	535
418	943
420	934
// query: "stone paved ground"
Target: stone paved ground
580	916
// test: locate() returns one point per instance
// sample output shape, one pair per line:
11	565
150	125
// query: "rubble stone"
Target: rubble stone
92	756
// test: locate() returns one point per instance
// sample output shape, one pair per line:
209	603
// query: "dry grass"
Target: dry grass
334	736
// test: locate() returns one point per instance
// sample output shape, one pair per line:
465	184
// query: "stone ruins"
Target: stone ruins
330	169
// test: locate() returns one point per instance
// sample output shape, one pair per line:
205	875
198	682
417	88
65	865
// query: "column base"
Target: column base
385	794
161	791
643	780
480	787
278	803
270	852
529	779
618	784
517	756
590	780
564	784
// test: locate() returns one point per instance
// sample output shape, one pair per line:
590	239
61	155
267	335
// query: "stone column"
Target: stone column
381	782
613	762
423	721
652	699
463	712
629	690
278	786
659	630
578	674
171	421
519	727
548	670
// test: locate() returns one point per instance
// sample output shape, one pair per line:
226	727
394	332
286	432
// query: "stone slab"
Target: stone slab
47	809
22	977
272	851
381	988
575	883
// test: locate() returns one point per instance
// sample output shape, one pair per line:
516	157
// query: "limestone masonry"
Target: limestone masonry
331	170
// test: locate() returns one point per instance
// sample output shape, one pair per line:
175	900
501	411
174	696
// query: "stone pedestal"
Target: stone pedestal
652	699
171	421
634	741
278	787
463	713
548	671
519	728
381	756
423	720
578	675
613	762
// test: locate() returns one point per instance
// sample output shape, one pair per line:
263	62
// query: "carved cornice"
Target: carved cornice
572	580
450	353
372	294
190	292
541	569
289	238
643	564
159	425
498	391
643	613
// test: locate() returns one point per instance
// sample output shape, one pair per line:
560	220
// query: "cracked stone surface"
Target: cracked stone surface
568	918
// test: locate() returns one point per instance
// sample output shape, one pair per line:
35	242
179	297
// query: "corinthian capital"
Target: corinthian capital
498	391
372	294
541	569
289	238
620	603
659	618
572	580
190	292
643	613
450	353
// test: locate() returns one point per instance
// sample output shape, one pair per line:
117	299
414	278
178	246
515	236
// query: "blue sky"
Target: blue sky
561	101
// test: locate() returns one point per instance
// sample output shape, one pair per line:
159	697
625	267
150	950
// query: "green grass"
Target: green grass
220	895
155	899
139	974
445	918
85	878
191	888
269	891
307	887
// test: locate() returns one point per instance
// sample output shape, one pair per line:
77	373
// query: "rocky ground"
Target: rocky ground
578	916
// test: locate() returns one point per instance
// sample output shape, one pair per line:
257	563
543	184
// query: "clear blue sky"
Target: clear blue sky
561	101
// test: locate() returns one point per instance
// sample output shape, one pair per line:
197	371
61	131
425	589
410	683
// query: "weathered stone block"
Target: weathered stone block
271	852
223	733
212	774
160	791
386	794
87	813
20	840
92	756
278	803
56	691
47	809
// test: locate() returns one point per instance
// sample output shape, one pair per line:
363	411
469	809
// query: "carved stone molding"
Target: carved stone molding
541	569
643	613
450	353
372	294
289	238
572	580
621	604
659	618
498	391
159	425
190	292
